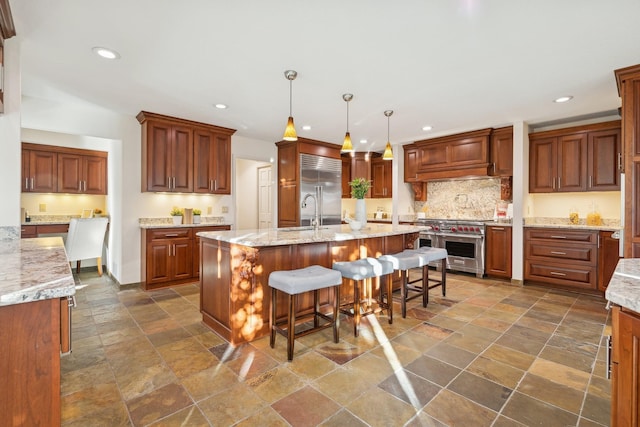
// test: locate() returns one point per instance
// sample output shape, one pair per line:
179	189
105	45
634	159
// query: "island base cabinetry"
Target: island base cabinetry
30	364
234	292
625	368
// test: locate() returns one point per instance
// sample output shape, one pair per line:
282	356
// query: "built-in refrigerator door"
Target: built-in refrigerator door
321	182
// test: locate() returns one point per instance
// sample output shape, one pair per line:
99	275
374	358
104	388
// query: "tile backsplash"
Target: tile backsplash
461	199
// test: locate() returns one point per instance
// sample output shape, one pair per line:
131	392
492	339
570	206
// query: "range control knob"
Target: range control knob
453	229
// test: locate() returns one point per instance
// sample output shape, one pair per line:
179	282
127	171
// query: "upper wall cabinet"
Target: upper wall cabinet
52	169
582	158
381	179
501	152
176	153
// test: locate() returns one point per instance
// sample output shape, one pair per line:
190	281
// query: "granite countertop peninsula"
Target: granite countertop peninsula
607	224
33	270
50	219
301	235
624	287
164	222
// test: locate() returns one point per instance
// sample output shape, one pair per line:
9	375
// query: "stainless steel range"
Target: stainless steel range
463	240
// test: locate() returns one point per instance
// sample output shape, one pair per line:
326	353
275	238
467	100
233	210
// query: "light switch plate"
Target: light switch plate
225	209
42	207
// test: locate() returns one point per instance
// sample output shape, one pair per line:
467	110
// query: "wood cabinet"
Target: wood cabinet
30	363
52	169
501	152
608	256
464	154
170	256
585	158
346	176
289	175
82	174
578	259
28	231
498	251
381	179
212	162
411	160
39	170
168	162
625	375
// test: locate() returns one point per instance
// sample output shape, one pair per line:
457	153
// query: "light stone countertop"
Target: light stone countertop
624	287
301	235
33	270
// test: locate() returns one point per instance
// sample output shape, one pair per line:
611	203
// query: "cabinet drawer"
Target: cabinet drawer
580	253
574	276
562	235
53	228
28	231
168	233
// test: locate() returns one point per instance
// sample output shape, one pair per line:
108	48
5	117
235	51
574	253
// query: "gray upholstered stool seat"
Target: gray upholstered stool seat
428	255
403	262
294	282
358	271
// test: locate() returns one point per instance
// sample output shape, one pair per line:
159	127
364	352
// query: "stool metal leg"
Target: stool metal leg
356	307
291	332
444	277
336	314
316	309
272	318
389	282
404	292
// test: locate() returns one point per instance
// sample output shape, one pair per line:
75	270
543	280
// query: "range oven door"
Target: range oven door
465	252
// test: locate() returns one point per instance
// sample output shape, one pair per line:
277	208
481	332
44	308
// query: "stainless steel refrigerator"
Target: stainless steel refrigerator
321	183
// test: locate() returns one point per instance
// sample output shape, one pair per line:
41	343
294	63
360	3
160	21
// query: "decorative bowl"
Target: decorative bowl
355	225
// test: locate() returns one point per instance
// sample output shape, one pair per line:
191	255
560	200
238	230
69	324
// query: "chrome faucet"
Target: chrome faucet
315	222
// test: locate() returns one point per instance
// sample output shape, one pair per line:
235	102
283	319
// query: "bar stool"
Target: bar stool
403	262
294	282
358	271
428	255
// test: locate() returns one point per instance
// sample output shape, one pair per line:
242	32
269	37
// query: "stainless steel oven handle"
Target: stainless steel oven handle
462	236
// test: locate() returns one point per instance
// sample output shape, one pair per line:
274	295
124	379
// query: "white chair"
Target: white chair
85	240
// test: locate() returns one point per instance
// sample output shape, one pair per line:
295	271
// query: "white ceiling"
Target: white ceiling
456	65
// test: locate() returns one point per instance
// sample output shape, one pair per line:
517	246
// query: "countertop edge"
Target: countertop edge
624	287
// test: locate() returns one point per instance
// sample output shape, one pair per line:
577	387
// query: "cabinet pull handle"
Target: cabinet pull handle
559	183
608	357
498	228
555	273
619	162
558	237
590	181
215	185
171	235
26	183
558	253
210	185
85	186
494	167
169	182
32	179
80	186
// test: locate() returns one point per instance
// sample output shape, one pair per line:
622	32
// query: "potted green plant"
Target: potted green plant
196	215
176	213
359	189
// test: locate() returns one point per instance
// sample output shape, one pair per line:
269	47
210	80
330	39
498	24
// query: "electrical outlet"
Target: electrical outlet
42	207
209	210
225	209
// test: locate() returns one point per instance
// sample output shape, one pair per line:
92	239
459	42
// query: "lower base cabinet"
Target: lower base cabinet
625	368
170	256
498	248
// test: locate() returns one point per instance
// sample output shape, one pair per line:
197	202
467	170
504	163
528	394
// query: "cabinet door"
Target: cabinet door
69	173
411	164
498	260
346	176
212	163
182	159
181	259
94	174
604	160
361	168
625	359
542	165
572	163
222	170
42	172
378	184
158	261
502	152
159	173
608	256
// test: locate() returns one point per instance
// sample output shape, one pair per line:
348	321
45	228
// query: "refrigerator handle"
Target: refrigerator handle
320	203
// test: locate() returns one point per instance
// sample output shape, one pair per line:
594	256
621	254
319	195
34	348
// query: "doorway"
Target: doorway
253	198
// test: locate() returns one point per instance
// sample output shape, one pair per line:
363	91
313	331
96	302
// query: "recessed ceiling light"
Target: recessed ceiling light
363	141
426	127
106	53
221	106
306	127
563	99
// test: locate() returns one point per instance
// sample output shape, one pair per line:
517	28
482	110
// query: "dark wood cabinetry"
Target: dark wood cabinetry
498	251
584	158
171	256
52	169
579	259
381	179
82	174
289	175
212	173
625	375
168	150
502	152
346	176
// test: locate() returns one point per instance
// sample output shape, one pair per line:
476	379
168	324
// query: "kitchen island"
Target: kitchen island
623	293
34	277
235	267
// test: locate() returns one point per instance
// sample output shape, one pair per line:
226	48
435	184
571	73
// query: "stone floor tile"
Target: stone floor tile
433	370
235	404
187	417
567	398
495	371
406	386
376	407
305	407
158	404
90	400
480	390
533	412
275	384
455	410
452	355
561	374
344	418
267	417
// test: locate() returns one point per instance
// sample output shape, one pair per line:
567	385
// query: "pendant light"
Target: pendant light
347	147
290	130
388	153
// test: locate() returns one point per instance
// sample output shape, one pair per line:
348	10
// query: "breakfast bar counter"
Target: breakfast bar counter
235	267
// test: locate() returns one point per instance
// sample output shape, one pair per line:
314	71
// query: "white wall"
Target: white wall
246	179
